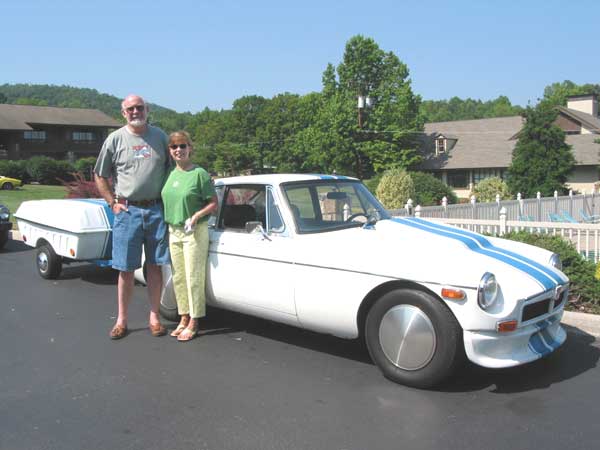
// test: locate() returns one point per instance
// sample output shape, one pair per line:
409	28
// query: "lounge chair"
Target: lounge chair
568	217
589	219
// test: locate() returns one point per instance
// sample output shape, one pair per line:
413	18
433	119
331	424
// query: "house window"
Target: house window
458	178
482	174
34	135
440	145
83	136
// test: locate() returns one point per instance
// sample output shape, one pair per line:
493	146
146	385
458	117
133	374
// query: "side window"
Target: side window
274	220
242	204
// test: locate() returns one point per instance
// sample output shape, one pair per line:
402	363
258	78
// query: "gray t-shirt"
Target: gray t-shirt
137	164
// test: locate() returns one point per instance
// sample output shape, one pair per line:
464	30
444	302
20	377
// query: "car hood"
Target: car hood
430	252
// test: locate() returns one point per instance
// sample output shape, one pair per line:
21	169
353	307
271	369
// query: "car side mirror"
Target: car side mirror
256	227
253	226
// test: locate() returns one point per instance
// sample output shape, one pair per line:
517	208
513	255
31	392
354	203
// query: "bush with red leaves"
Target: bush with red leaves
80	187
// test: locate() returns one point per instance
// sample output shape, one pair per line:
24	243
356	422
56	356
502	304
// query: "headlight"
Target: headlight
4	213
487	291
555	261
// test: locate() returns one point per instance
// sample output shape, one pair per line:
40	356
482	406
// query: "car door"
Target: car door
252	271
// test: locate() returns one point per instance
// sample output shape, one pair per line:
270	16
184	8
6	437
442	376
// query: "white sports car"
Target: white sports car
321	253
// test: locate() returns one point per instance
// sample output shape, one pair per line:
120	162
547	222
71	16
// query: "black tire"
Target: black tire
428	349
3	238
7	186
48	263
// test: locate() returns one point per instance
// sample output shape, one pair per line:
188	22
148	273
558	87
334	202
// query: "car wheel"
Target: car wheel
413	338
8	186
3	238
49	264
168	304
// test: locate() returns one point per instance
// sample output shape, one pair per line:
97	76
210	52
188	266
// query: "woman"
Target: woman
189	199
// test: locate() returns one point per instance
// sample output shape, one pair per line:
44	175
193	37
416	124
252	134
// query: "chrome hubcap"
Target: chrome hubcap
42	261
407	337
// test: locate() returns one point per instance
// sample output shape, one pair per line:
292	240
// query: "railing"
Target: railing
576	208
584	236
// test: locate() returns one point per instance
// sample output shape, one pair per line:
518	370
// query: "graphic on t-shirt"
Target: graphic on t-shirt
141	151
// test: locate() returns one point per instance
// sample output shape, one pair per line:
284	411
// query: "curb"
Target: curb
582	323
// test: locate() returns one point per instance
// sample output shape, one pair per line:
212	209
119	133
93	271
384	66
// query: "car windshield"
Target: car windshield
327	205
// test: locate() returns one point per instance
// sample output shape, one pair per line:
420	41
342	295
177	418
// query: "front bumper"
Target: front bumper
526	344
5	226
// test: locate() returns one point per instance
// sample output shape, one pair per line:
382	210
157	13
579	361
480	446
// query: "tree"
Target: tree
541	160
388	134
556	94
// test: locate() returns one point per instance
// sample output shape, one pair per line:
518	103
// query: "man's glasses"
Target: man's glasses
176	146
138	108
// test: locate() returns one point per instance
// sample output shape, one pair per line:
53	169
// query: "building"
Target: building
464	152
60	133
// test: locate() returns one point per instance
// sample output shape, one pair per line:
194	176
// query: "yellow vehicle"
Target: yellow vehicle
9	183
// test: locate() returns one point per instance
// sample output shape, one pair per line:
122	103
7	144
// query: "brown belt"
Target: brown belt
138	203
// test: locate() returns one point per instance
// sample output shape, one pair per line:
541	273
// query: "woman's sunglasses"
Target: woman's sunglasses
176	146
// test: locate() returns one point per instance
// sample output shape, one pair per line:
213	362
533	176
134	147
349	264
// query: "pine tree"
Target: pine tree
541	160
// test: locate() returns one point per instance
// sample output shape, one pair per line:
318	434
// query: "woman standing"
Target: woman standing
189	199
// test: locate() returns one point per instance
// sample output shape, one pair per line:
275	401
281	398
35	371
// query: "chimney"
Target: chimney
584	103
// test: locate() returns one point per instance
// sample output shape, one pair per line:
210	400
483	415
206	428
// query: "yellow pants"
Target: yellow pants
189	253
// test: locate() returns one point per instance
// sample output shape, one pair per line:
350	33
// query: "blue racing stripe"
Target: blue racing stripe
487	244
545	281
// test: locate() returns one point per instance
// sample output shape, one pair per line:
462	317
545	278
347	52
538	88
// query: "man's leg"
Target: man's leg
154	280
124	291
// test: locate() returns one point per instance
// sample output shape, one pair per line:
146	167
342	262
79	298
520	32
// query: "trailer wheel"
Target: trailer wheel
48	263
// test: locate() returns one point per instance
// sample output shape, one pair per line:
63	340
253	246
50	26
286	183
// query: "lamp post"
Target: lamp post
364	101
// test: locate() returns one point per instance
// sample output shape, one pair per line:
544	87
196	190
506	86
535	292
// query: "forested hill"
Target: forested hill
72	97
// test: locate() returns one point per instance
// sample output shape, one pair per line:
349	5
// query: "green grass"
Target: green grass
12	199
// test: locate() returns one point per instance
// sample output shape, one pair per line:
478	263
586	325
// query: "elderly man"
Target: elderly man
136	158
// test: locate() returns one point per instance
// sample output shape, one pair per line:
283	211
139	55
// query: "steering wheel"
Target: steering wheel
355	215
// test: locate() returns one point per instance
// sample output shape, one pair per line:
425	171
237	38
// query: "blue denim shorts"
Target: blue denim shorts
136	229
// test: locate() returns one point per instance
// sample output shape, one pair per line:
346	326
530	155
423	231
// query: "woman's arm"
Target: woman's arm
208	209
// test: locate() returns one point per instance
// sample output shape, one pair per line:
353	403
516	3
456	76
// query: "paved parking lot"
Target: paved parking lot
251	384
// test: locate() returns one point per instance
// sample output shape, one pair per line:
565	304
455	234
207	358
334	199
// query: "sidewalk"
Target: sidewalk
583	323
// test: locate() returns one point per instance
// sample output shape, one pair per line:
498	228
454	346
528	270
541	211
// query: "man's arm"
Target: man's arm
106	192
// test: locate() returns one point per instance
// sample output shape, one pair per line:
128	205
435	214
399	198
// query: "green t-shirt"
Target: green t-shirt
185	193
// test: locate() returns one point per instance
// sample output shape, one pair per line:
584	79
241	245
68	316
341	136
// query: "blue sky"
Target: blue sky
187	55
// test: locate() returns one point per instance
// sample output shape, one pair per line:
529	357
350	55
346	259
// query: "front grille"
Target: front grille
536	309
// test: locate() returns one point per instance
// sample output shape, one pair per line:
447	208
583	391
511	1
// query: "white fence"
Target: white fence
568	208
585	236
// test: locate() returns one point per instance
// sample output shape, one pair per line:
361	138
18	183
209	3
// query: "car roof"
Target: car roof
279	178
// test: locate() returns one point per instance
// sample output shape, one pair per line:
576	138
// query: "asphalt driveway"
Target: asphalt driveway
251	384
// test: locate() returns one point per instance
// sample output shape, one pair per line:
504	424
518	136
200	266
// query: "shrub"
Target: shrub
46	170
80	187
372	183
486	190
584	293
395	188
86	167
430	191
14	169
